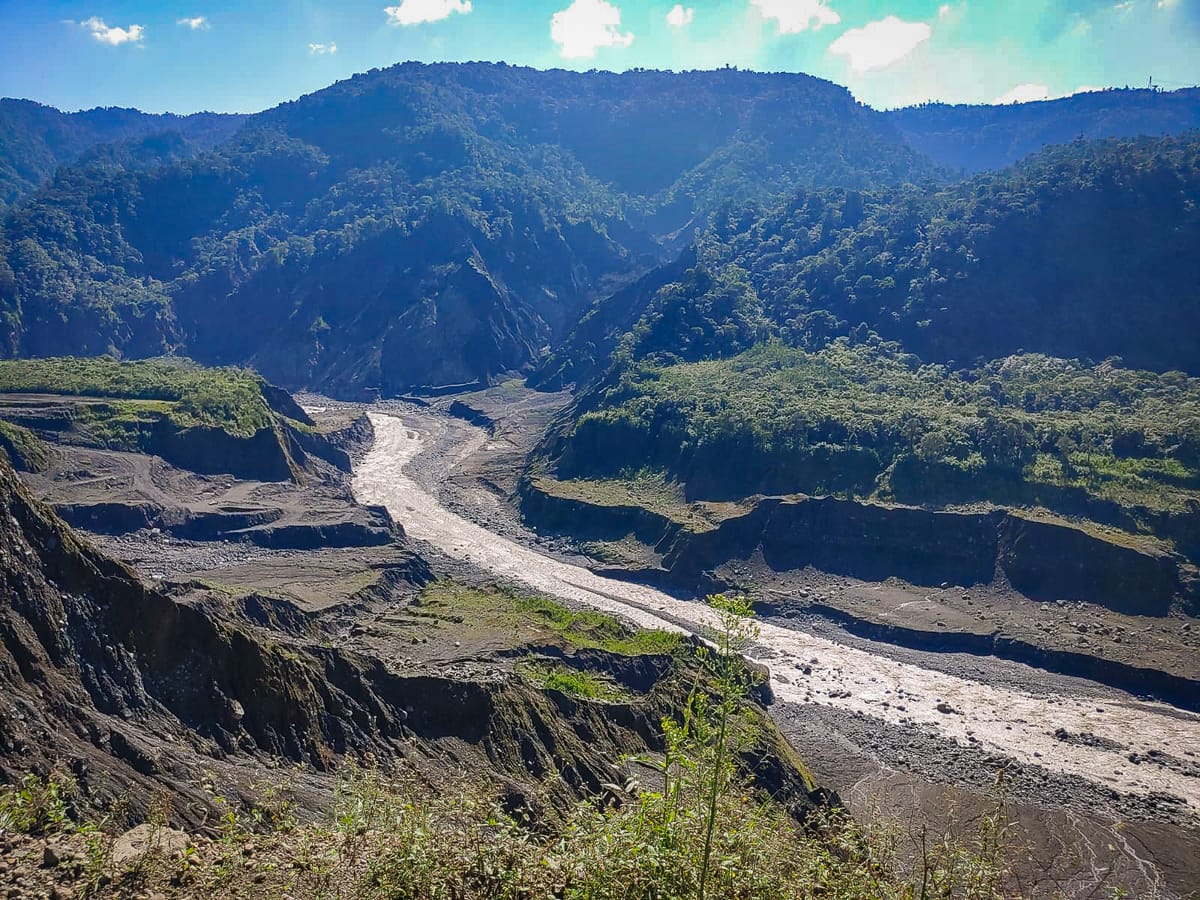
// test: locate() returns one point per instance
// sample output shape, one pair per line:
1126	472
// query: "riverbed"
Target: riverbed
813	670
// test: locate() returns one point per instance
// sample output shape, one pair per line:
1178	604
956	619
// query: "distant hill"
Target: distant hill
420	225
977	138
436	225
35	139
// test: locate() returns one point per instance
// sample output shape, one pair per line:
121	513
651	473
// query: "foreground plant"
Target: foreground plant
693	828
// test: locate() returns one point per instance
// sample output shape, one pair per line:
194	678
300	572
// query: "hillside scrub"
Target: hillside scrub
871	421
692	827
24	451
231	399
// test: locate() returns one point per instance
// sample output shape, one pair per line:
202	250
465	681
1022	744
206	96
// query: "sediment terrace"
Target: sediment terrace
806	669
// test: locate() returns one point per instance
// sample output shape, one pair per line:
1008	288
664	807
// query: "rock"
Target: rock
51	857
61	892
145	839
945	708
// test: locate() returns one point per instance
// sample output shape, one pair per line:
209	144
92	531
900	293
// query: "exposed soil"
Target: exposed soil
912	723
118	493
896	730
244	661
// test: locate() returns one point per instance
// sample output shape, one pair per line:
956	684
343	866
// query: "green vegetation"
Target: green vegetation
202	419
327	223
390	837
35	140
1023	338
505	609
1083	251
975	138
698	830
586	628
37	805
188	394
572	682
25	452
872	421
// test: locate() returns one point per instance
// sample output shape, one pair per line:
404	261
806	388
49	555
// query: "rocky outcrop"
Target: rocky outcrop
1052	561
1046	560
1043	559
355	439
262	456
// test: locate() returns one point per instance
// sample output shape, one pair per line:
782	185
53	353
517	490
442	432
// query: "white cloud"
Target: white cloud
678	17
951	15
196	23
1024	93
794	16
879	44
417	12
323	49
587	25
113	36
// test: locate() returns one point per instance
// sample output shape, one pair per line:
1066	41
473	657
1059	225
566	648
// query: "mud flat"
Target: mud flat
1139	753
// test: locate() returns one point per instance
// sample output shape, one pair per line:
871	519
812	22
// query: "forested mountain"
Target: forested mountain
977	138
418	225
35	140
442	224
1085	250
1025	337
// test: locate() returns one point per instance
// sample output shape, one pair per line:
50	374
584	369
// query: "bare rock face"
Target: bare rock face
147	839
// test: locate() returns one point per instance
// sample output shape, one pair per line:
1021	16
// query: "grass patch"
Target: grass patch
505	610
572	682
185	392
590	629
25	451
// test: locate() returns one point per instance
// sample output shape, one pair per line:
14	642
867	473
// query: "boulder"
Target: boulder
145	839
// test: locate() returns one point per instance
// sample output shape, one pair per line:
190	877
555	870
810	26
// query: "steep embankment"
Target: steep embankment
1032	561
1006	721
135	691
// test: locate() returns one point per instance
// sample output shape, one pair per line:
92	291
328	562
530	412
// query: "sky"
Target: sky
247	55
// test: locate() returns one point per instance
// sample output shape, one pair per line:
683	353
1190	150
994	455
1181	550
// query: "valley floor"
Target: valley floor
1103	786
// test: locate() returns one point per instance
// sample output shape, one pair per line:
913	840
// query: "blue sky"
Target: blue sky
246	55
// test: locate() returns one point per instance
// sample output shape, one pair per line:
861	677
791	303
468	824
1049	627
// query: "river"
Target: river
1016	724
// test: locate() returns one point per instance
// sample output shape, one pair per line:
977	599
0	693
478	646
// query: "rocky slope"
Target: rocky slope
133	690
